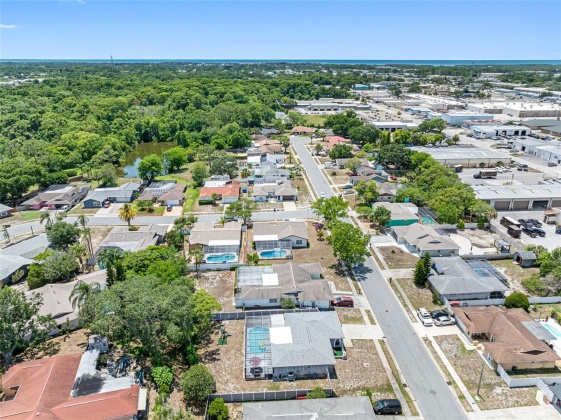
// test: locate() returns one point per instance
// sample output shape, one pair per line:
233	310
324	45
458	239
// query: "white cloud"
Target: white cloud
7	26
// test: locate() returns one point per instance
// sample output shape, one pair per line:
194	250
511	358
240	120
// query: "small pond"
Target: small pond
134	157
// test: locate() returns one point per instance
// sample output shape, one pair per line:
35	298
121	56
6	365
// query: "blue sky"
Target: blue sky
373	30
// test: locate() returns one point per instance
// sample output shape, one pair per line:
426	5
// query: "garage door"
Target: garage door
540	205
502	205
555	203
521	205
173	202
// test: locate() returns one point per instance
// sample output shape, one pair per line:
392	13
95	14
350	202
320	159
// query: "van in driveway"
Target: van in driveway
389	406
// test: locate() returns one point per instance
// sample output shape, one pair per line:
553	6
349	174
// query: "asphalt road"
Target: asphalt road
432	394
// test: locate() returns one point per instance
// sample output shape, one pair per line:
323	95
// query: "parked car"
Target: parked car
539	231
424	316
322	194
444	320
387	407
551	164
526	222
107	204
536	222
349	192
65	208
346	186
438	313
558	229
523	167
169	207
530	232
343	301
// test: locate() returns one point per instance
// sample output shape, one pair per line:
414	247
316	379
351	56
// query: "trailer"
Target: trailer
485	174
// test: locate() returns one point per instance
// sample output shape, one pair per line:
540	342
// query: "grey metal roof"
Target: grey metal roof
311	335
516	192
526	255
9	264
351	408
124	191
539	331
28	248
3	207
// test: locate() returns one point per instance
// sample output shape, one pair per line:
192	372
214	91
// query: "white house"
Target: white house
423	239
294	231
282	191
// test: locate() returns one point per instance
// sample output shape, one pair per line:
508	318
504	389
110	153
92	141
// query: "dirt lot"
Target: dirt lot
363	369
219	284
419	297
226	363
321	251
514	272
304	197
75	342
494	392
207	208
350	316
397	258
341	176
479	238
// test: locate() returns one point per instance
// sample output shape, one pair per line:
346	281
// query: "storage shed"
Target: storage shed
525	259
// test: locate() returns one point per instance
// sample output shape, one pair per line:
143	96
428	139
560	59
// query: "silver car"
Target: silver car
444	320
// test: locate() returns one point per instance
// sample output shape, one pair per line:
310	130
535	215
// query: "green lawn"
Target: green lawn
171	178
29	215
191	196
315	119
157	210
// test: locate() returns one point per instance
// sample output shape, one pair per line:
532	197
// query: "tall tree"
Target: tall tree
61	235
243	208
150	167
199	172
367	191
174	159
330	208
127	213
349	244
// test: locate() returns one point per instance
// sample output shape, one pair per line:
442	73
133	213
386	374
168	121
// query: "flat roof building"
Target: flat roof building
519	197
518	109
393	125
488	131
434	102
468	157
458	117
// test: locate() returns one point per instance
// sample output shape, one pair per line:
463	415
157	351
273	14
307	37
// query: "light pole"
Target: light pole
480	377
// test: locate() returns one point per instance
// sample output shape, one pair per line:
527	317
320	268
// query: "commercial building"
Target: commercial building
519	197
392	126
434	102
488	131
518	109
547	150
266	286
468	157
511	338
458	117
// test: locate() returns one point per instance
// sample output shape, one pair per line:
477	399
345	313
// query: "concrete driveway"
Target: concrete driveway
112	210
175	211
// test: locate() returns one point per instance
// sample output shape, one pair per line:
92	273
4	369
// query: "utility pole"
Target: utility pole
480	376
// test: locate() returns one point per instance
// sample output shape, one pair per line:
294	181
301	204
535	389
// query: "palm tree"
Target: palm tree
127	213
222	220
245	173
78	251
289	157
197	259
83	220
46	217
81	292
87	238
109	256
320	235
215	197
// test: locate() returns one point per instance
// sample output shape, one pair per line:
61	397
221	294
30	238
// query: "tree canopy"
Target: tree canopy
349	244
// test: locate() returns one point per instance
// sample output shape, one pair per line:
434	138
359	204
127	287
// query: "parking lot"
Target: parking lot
551	239
514	176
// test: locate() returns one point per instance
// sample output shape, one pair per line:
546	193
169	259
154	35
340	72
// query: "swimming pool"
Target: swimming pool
552	330
220	258
256	339
427	220
273	254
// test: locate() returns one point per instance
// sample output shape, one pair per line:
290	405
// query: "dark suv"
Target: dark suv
438	313
387	407
538	231
535	222
530	232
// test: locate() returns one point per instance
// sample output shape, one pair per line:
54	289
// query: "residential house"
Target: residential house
20	256
256	157
6	211
268	131
457	280
281	191
294	231
366	173
122	194
68	387
359	408
121	237
229	193
264	286
265	145
56	298
510	338
423	239
387	192
402	214
164	192
302	131
214	235
57	196
268	173
343	161
9	264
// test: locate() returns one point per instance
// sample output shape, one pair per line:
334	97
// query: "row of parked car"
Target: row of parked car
531	227
438	317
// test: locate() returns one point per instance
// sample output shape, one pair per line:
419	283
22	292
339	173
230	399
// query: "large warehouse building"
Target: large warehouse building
517	109
468	157
457	117
520	197
488	131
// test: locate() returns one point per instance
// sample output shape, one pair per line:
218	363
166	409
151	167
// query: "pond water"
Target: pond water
134	157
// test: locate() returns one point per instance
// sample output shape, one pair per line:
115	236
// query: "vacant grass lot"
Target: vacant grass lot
350	316
397	258
420	297
191	197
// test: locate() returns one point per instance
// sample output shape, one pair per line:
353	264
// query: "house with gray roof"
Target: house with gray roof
265	286
122	194
121	237
268	173
295	231
9	264
457	280
20	256
281	191
212	235
422	239
5	211
57	196
303	345
402	214
347	408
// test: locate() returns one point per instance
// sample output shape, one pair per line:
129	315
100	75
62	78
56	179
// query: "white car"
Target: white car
424	316
322	194
444	320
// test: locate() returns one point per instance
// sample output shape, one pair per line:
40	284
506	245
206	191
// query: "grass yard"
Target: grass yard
80	210
514	272
28	215
420	297
191	197
304	197
317	120
397	258
370	316
158	210
495	394
350	316
321	252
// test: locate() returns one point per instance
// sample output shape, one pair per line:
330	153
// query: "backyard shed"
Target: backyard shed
525	259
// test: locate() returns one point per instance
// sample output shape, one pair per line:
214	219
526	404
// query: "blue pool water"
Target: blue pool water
427	220
256	338
218	258
552	330
273	254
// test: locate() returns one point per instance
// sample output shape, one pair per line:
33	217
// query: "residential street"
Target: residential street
432	394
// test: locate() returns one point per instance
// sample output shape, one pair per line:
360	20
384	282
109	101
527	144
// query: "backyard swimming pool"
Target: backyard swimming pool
256	339
273	254
220	258
554	331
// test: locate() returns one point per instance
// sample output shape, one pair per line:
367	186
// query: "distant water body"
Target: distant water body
367	62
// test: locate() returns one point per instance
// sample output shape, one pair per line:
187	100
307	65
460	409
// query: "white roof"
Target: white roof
277	320
259	238
270	279
215	242
280	335
509	192
458	153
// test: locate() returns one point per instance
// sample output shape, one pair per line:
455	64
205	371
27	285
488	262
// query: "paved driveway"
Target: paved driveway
433	396
112	210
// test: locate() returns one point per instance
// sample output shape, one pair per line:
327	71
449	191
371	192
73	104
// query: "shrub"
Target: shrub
461	225
36	277
162	376
191	356
71	172
517	300
316	393
287	303
218	410
197	383
163	390
535	286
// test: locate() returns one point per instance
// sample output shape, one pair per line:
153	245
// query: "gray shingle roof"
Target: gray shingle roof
311	335
282	189
121	237
3	208
9	264
124	191
204	232
28	248
281	229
